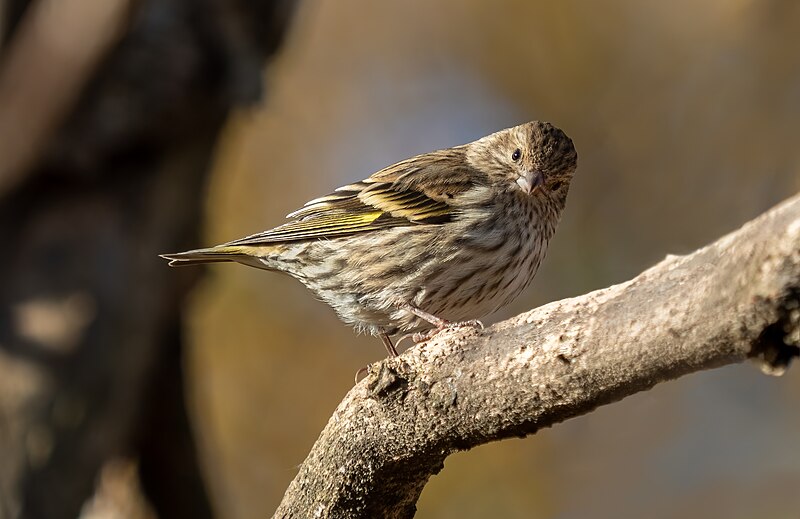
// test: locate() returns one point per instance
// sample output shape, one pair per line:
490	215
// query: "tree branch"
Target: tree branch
738	298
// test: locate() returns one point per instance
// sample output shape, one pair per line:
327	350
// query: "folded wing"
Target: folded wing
417	191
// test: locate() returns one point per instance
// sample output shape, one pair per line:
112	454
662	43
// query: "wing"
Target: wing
417	191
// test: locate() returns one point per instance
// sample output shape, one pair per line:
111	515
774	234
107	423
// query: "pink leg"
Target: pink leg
387	342
439	323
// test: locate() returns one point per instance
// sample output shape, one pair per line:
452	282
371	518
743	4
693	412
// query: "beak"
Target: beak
531	181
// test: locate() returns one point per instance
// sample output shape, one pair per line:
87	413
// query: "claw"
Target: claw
364	370
472	322
446	325
424	336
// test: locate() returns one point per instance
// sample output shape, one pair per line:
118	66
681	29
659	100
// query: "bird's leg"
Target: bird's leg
387	342
439	323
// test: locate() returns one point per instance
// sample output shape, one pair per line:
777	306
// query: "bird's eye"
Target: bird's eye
556	186
516	155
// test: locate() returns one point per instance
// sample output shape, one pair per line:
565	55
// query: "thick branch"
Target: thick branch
734	299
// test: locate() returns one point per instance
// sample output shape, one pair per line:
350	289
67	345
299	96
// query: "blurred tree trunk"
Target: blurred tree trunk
90	331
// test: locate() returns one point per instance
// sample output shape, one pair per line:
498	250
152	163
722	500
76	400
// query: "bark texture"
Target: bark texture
735	299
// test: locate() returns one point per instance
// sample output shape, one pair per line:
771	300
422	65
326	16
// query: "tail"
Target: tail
217	254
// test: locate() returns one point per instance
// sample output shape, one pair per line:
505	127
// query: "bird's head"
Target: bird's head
531	157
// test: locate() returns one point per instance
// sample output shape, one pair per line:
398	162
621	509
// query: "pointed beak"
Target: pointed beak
531	181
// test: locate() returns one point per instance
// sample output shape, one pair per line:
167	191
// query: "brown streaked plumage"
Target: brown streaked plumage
435	240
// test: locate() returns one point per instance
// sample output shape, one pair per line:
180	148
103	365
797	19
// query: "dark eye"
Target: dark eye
516	155
556	186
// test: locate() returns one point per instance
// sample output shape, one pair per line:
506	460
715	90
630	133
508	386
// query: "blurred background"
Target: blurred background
130	128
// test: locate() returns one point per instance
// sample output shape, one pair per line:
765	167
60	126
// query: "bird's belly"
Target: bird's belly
457	282
477	288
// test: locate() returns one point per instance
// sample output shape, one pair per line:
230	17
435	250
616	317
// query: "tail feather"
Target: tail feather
201	256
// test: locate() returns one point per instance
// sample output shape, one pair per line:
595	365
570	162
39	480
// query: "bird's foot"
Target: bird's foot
439	324
446	325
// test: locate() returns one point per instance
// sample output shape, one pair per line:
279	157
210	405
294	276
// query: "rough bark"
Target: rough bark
735	299
112	173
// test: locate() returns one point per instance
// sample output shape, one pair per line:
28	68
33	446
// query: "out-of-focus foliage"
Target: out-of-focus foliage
686	117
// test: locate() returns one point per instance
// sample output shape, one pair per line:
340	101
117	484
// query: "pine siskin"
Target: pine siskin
431	241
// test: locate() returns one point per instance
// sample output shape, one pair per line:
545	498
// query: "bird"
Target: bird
432	242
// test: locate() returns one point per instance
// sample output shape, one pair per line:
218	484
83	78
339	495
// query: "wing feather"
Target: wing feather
417	191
